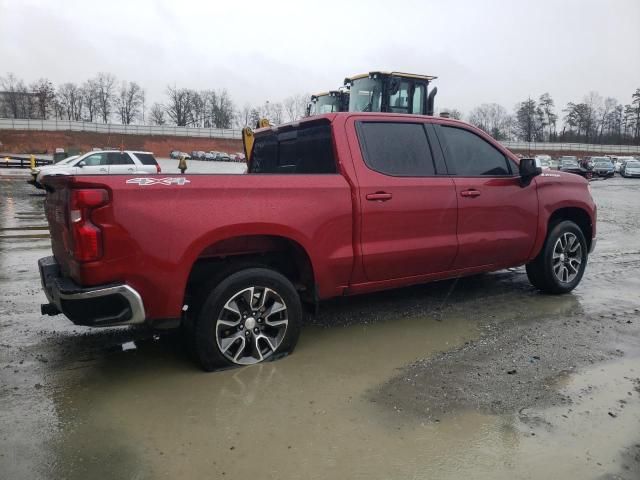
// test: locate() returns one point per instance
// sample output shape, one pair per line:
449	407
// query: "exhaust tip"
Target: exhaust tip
49	309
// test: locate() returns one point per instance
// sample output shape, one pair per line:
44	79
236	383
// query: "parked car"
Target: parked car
209	156
37	171
570	165
175	154
224	157
194	155
101	163
602	167
631	169
236	276
545	161
622	161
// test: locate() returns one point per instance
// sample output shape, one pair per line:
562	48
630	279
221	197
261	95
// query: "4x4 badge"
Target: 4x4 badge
159	181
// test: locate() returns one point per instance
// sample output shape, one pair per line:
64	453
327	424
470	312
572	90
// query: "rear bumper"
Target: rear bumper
106	305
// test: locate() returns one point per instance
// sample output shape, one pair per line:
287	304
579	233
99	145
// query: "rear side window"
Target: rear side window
119	158
396	149
146	158
469	155
307	149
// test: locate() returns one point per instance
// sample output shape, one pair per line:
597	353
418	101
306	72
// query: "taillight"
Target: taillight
158	168
85	242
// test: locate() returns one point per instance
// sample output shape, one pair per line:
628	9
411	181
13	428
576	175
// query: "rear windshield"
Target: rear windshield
146	158
306	149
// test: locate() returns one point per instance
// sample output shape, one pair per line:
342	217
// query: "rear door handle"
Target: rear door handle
470	193
379	197
103	169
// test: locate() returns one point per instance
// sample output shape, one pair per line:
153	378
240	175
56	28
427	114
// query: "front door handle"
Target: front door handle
472	192
379	197
130	169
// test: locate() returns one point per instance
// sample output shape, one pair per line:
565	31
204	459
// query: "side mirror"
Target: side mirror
529	168
80	164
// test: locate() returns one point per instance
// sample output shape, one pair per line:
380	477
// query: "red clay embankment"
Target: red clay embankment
30	141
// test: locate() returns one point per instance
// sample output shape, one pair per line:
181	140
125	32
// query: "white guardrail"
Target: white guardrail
64	125
571	147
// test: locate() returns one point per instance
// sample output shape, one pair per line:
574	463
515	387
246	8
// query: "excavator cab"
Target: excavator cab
394	92
328	102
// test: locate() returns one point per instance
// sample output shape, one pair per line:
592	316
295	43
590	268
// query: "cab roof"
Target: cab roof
427	78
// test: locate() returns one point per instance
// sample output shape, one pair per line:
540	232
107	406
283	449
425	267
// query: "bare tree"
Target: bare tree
157	114
244	116
16	97
90	96
70	99
45	95
277	113
546	104
636	110
128	102
179	105
105	86
492	118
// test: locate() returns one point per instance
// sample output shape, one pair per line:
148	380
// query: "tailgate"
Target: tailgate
56	210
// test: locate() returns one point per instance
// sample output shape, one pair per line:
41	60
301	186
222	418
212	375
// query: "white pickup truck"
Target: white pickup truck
100	162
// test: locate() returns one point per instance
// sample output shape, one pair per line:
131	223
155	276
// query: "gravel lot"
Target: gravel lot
477	378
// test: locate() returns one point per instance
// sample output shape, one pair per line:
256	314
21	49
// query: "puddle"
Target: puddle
302	415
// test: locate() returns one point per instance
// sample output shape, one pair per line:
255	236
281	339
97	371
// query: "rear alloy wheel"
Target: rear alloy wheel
251	316
560	265
252	325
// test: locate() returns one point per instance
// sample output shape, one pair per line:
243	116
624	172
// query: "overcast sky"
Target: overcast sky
482	51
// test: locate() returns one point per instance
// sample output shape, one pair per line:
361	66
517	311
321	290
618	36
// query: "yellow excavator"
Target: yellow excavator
328	102
395	92
248	138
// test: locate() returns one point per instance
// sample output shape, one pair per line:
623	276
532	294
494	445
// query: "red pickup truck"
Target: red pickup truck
338	204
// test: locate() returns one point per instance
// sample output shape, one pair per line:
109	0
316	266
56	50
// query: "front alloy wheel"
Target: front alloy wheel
559	266
567	257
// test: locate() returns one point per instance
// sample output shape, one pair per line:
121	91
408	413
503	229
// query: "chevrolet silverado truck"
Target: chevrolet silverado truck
337	204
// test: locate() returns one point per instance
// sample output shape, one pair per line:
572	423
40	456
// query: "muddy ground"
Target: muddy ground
477	378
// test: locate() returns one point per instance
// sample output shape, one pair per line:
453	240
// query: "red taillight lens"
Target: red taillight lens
158	168
88	198
86	237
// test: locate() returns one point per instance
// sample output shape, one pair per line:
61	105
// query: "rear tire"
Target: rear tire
251	316
560	265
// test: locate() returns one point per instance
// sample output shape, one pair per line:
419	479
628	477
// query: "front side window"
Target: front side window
396	149
469	155
95	160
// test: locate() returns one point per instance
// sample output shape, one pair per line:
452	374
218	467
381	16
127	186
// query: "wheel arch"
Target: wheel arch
577	215
222	257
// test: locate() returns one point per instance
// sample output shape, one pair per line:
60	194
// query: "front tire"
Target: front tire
251	316
560	265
